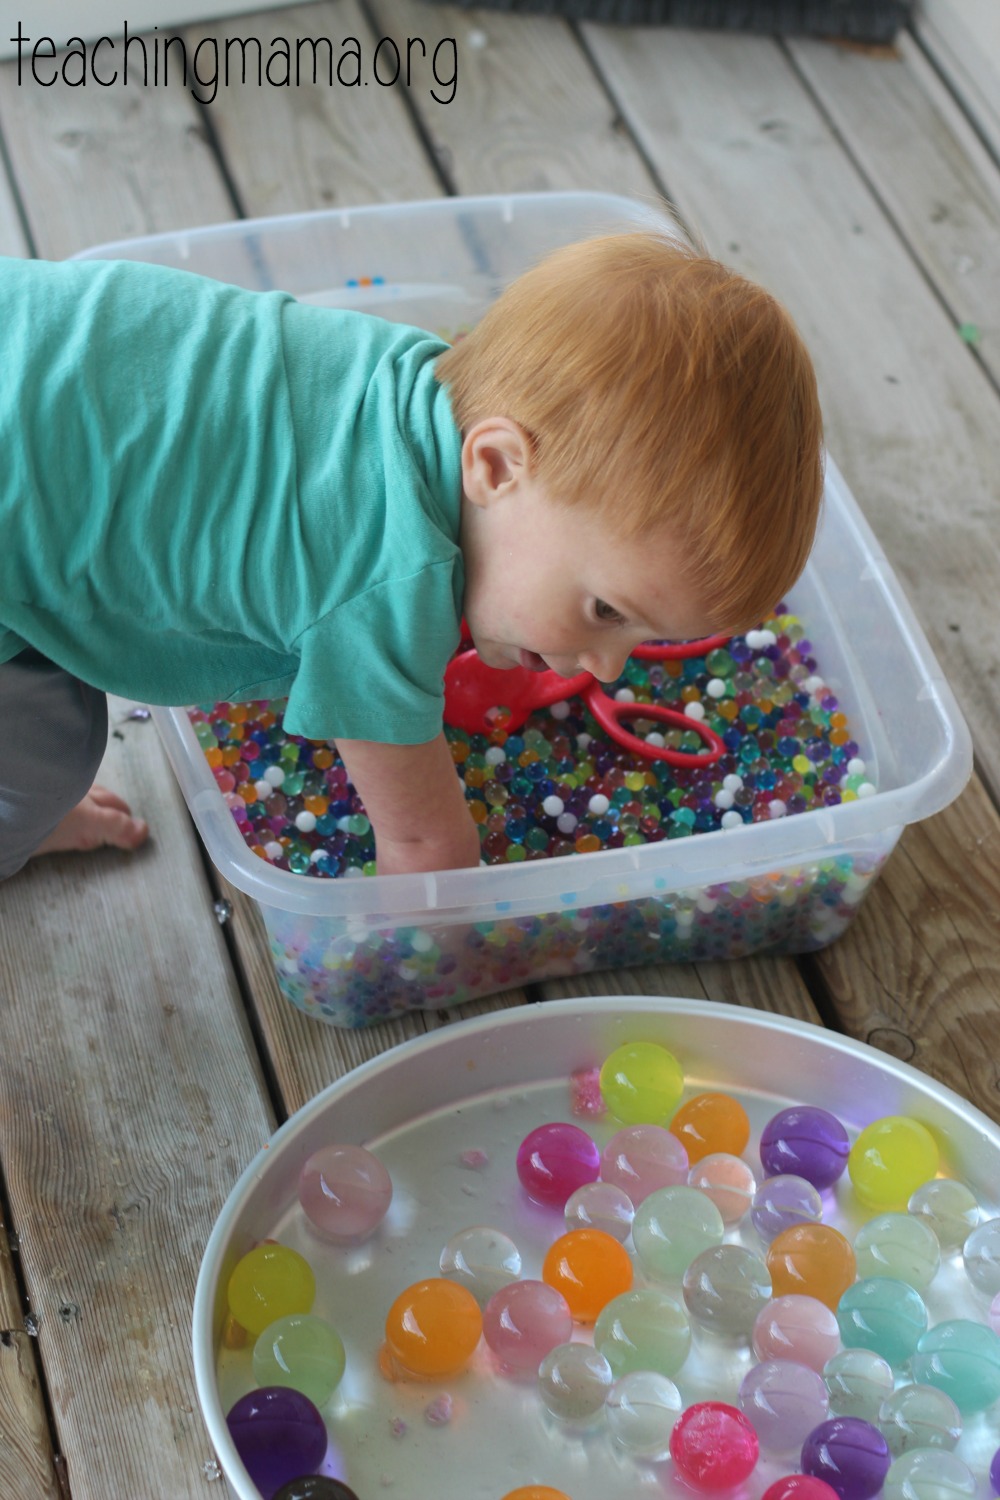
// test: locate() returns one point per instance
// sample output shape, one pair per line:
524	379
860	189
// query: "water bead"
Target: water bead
270	1282
642	1158
433	1327
898	1245
725	1288
919	1416
524	1321
574	1381
278	1434
963	1359
784	1401
993	1316
728	1181
890	1159
801	1329
849	1454
799	1487
859	1382
601	1205
948	1207
714	1446
315	1487
805	1141
345	1192
981	1257
482	1260
711	1122
643	1330
301	1351
641	1083
814	1260
671	1227
589	1268
783	1201
536	1492
929	1474
884	1315
642	1409
995	1473
554	1160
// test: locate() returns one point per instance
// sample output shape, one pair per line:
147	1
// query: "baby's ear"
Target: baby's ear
496	457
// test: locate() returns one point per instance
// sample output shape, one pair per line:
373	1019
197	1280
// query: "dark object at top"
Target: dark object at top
851	20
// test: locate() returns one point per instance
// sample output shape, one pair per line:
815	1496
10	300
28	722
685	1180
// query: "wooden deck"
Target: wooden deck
146	1055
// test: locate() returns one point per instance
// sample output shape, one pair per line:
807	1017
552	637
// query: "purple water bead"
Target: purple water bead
642	1158
806	1142
525	1321
782	1201
554	1160
851	1455
279	1436
995	1473
785	1402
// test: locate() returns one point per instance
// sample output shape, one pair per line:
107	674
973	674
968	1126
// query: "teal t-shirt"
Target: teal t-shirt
214	494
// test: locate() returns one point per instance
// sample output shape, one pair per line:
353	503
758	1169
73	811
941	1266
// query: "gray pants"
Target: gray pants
53	731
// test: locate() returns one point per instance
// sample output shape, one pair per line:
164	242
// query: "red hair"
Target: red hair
658	387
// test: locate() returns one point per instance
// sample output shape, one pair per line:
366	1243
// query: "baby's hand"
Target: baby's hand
101	818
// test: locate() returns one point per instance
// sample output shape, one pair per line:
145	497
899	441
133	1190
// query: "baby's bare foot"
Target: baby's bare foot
101	818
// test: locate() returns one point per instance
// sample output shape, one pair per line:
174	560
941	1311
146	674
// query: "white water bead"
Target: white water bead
559	710
777	808
598	805
723	799
694	710
641	1411
624	695
305	821
583	741
495	756
566	822
264	789
716	687
601	1205
732	819
755	639
656	740
866	789
732	782
274	850
856	766
317	855
274	775
553	806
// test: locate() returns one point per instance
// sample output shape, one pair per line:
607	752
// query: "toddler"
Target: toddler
213	494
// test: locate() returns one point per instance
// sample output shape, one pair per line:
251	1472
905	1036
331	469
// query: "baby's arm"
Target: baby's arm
416	805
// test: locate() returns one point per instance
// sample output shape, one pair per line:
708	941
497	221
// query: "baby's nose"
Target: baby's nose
605	663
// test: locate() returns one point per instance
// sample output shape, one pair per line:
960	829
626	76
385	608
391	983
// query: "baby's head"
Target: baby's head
658	407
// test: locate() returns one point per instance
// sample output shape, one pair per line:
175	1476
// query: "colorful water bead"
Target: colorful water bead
641	1083
315	1487
554	1160
797	1328
525	1321
890	1159
948	1207
849	1454
898	1245
728	1181
433	1327
859	1382
574	1381
963	1359
601	1205
799	1487
919	1416
642	1409
782	1201
709	1123
644	1329
725	1289
301	1351
642	1158
671	1227
993	1315
482	1260
589	1268
807	1142
270	1282
345	1192
882	1314
279	1436
536	1492
714	1446
981	1257
784	1401
812	1259
929	1474
995	1473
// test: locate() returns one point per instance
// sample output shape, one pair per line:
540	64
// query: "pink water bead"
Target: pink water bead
643	1158
801	1329
525	1321
554	1160
345	1192
714	1446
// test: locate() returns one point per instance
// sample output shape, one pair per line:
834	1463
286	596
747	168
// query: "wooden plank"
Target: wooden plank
963	38
944	197
931	996
764	983
315	146
911	416
28	1467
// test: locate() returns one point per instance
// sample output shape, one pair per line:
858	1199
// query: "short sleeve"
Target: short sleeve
373	667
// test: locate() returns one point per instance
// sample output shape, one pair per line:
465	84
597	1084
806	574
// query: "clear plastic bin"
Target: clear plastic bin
356	951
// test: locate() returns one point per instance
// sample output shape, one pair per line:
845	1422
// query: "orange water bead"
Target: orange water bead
477	811
673	668
433	1327
230	756
590	1268
239	713
316	805
709	1123
214	757
587	843
322	758
528	757
536	1492
811	1260
248	792
475	776
690	694
459	751
728	708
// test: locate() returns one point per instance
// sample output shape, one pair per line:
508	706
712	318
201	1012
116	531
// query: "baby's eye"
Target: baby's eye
608	613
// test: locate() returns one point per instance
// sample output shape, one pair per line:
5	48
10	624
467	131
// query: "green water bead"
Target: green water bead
898	1245
514	853
929	1474
962	1358
719	663
641	1083
673	1225
858	1381
919	1416
882	1314
643	1330
301	1351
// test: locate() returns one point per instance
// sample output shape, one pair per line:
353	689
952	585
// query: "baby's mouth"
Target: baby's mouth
531	661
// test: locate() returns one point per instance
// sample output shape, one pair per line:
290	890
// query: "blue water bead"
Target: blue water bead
883	1314
963	1359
